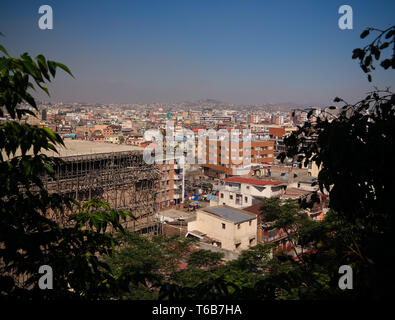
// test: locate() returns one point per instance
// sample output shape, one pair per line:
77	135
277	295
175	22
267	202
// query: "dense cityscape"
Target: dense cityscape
185	191
250	161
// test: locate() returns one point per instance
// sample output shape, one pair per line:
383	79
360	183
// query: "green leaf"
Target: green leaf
3	63
29	65
2	49
390	34
358	53
384	45
50	134
30	100
43	66
44	88
368	60
386	63
365	33
52	67
65	68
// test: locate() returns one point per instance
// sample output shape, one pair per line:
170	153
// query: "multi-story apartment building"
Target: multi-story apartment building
235	158
171	188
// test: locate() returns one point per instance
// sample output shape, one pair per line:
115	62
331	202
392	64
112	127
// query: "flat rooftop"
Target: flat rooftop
230	214
83	147
177	214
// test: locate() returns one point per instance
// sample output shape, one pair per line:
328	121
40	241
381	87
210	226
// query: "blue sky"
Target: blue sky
168	50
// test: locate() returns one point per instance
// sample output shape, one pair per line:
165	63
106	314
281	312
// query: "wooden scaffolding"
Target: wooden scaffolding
122	179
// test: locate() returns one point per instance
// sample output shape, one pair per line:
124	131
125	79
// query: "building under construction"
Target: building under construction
113	173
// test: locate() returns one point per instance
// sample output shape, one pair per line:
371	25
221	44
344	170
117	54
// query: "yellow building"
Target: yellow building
228	228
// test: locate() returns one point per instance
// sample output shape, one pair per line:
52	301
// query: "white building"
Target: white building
240	192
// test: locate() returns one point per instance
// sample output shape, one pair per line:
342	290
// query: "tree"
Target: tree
356	152
384	40
142	265
29	238
204	259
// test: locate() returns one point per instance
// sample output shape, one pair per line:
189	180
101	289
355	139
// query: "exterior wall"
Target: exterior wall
313	170
230	236
112	139
107	132
228	254
232	199
230	158
98	139
170	187
240	195
268	191
307	186
99	127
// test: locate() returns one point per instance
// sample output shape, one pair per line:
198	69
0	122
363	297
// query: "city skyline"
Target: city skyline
150	52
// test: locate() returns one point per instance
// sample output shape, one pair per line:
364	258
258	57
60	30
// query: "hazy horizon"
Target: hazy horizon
249	52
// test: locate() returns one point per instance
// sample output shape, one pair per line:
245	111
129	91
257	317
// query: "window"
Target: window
252	241
223	226
237	245
222	195
246	200
250	222
238	226
231	197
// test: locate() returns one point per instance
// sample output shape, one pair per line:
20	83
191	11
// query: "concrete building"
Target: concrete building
235	158
171	187
112	139
228	228
241	192
174	222
313	169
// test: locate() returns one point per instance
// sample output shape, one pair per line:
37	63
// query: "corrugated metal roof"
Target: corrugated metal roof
231	214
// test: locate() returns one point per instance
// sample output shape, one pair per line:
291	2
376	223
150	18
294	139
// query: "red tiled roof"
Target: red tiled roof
252	181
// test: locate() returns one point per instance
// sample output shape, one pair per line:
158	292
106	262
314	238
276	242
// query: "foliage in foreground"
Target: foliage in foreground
29	234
